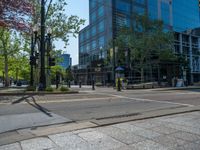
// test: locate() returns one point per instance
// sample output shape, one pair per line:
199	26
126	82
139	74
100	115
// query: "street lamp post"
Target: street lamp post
42	48
3	78
32	53
49	32
115	50
127	58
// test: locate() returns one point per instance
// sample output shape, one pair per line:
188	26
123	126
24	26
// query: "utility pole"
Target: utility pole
42	47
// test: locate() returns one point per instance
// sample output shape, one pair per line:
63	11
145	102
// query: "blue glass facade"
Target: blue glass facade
94	38
181	15
185	14
66	61
108	16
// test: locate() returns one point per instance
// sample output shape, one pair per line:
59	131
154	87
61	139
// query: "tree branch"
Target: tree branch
48	8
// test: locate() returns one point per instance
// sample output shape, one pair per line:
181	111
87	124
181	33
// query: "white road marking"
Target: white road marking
149	100
65	100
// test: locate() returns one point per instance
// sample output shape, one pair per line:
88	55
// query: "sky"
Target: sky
81	9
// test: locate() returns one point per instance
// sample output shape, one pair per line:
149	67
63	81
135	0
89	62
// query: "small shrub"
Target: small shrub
98	84
64	89
31	88
49	89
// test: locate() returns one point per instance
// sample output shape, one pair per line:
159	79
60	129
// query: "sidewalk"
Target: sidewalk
177	132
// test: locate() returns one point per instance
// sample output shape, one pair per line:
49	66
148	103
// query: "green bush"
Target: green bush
98	84
64	89
49	89
31	88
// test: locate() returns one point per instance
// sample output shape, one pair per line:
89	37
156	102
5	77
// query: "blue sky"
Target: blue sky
81	9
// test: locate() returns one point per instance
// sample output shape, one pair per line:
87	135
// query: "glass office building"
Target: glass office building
66	61
107	16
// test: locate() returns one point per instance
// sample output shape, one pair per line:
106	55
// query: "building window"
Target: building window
101	41
87	35
123	6
82	37
139	10
87	47
140	1
101	26
93	32
123	21
94	44
101	11
81	49
92	4
165	13
93	16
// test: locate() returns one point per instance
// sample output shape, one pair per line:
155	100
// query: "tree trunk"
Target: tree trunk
6	71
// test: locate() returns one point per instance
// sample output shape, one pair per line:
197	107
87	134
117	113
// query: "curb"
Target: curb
38	93
146	115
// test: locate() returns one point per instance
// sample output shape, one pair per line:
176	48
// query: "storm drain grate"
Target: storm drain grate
119	116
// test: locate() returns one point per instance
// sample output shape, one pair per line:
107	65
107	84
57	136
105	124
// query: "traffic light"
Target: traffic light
32	60
52	61
37	55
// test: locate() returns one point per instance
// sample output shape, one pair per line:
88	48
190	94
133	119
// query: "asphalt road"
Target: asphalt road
105	102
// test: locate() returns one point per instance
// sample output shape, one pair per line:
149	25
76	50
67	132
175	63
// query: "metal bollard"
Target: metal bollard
93	88
80	84
118	85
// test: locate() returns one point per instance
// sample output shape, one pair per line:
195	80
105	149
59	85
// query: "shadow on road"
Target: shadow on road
24	98
32	102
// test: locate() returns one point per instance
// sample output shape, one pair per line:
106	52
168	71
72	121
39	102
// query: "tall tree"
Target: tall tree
62	25
146	41
15	14
9	45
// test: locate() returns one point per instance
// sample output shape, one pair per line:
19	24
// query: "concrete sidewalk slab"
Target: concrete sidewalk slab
123	136
20	121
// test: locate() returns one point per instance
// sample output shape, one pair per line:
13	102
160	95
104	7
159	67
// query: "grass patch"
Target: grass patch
49	89
64	89
31	88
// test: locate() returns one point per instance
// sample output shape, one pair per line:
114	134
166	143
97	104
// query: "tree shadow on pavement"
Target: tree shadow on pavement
33	103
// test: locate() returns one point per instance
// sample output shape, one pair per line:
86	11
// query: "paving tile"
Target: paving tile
138	130
14	146
184	128
169	142
148	124
128	127
106	144
192	123
147	133
92	136
164	130
186	136
189	146
37	144
68	140
98	140
148	145
121	135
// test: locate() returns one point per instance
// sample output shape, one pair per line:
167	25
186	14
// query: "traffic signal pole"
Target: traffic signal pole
42	48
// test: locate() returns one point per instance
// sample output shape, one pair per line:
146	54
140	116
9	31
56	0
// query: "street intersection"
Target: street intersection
104	106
